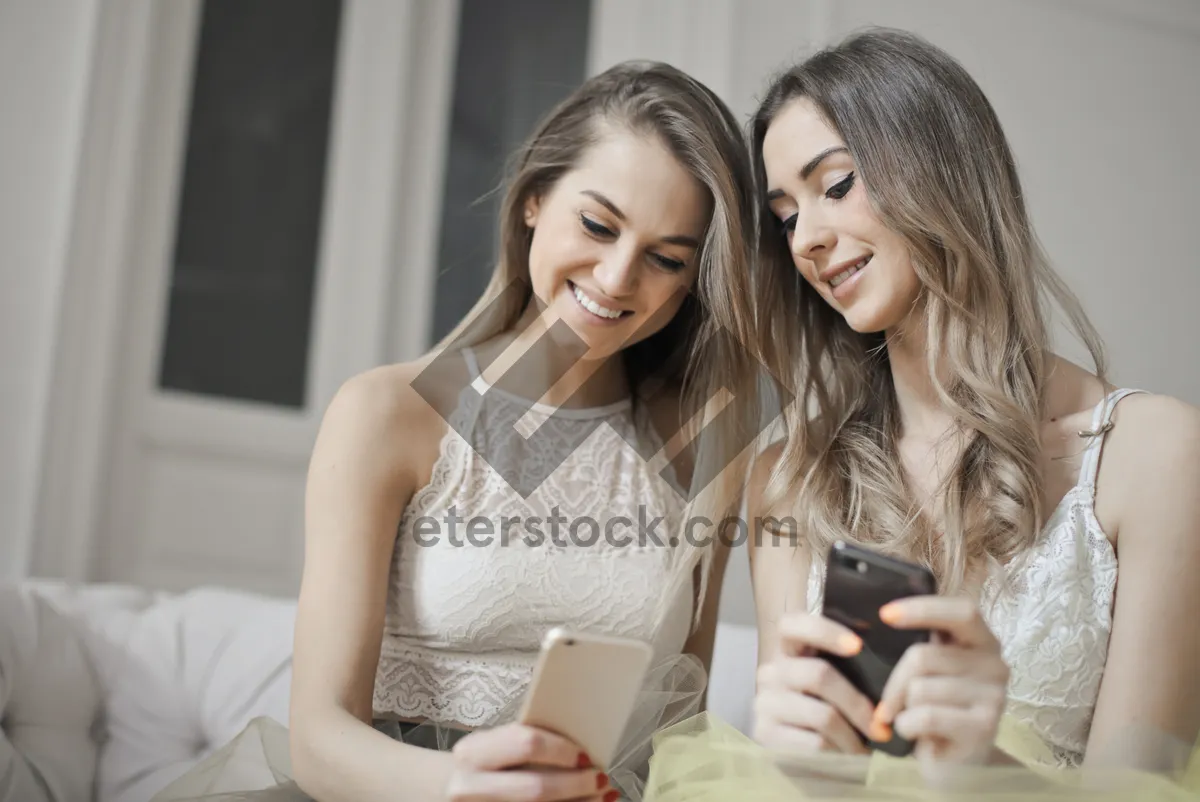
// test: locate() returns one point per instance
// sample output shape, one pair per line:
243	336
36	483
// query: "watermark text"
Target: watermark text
642	530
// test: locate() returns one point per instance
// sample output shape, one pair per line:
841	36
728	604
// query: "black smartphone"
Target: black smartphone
858	582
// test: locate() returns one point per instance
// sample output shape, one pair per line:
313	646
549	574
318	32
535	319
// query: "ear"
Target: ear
532	205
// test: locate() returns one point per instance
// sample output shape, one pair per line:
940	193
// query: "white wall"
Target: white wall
1099	101
1098	98
45	48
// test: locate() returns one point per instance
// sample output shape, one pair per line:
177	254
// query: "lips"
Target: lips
594	306
842	273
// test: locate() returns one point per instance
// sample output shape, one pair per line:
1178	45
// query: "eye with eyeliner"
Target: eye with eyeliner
600	231
841	188
674	265
596	229
835	193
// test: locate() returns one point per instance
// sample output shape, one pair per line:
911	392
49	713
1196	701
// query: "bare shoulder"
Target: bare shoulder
384	399
1151	462
1154	432
767	493
392	416
774	528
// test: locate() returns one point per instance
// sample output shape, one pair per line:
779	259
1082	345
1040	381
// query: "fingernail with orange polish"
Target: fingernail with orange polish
851	644
889	614
881	730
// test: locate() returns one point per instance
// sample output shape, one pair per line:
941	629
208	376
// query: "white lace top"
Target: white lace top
1052	611
480	573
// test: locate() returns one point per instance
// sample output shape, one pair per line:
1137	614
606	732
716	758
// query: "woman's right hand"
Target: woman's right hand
803	704
517	763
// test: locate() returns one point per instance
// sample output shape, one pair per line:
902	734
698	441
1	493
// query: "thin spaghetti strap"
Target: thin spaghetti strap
472	363
470	403
1102	423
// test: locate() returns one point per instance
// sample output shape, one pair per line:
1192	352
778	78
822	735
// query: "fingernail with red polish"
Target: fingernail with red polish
601	781
584	762
612	796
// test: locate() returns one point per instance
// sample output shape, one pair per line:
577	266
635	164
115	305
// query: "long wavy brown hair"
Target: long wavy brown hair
938	169
689	355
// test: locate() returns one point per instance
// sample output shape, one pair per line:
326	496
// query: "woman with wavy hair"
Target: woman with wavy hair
532	424
903	296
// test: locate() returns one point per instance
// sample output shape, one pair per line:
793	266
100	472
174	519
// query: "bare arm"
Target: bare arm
1149	686
778	566
802	704
359	481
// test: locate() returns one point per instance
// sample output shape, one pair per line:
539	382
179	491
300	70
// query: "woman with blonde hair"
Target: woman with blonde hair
454	504
903	296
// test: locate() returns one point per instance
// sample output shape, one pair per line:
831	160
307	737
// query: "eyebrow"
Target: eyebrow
808	168
678	239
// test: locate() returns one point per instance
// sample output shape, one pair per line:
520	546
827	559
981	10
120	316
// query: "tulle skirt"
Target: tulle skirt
704	759
256	766
671	752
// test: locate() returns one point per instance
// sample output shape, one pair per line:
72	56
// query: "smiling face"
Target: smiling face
616	241
859	266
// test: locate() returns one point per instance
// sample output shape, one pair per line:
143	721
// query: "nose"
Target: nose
812	235
617	273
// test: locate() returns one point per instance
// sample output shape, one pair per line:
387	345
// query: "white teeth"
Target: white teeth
848	272
595	308
840	277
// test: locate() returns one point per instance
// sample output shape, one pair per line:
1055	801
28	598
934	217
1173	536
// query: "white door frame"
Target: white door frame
383	193
382	216
83	377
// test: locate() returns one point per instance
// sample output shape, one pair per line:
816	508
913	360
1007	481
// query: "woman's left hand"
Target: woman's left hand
947	695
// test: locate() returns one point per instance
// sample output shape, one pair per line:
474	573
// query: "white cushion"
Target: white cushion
109	693
200	667
49	702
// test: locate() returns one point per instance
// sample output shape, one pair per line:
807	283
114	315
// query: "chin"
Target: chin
861	328
870	321
585	343
861	320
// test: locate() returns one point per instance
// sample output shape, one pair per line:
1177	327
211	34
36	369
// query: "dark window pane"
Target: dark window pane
246	246
516	60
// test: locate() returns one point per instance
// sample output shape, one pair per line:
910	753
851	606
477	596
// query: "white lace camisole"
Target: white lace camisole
1052	611
466	612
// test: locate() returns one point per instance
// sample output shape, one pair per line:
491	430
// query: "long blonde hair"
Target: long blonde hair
658	100
938	170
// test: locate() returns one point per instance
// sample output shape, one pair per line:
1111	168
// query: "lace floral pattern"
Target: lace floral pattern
467	607
1052	613
468	690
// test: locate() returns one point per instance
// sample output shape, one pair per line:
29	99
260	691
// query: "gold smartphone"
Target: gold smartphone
585	687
